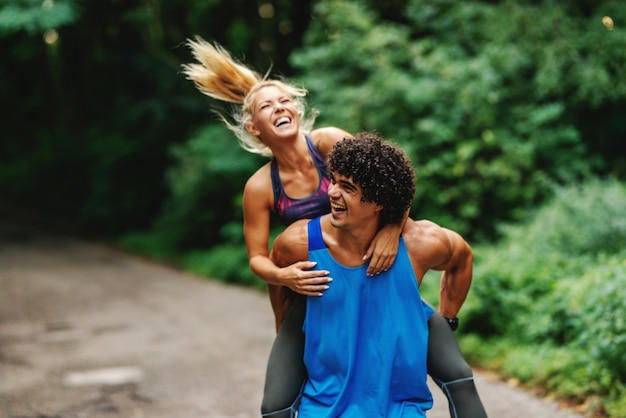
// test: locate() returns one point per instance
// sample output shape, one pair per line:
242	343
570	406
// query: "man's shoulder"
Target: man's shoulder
293	243
297	229
425	238
431	244
422	229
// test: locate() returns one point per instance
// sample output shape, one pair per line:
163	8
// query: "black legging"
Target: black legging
450	371
286	372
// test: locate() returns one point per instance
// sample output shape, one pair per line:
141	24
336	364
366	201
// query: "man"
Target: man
366	338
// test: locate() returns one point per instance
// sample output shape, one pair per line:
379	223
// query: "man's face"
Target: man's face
346	202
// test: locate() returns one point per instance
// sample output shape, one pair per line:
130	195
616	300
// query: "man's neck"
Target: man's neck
348	245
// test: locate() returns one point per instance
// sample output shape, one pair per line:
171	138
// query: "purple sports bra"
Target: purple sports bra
290	210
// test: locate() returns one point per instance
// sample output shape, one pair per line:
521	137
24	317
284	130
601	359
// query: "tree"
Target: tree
96	98
489	98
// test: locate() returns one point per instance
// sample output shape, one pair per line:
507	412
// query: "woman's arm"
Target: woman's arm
384	247
325	138
299	277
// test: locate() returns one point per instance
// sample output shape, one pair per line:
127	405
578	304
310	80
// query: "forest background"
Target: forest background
511	111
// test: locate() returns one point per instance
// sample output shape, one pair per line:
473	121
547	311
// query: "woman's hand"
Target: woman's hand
301	279
383	249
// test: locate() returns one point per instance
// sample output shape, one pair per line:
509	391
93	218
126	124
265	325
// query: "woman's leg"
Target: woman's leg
286	373
451	372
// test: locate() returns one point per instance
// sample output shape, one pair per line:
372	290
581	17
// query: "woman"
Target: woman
272	122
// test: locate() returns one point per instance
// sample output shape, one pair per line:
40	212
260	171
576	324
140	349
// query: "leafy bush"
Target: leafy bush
490	99
552	292
206	183
600	303
581	220
154	244
227	263
33	17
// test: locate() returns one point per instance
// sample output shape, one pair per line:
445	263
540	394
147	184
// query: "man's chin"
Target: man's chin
336	219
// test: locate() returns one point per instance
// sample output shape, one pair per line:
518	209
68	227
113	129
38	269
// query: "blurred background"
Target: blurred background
511	111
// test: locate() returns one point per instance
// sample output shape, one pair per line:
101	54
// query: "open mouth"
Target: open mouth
337	208
282	121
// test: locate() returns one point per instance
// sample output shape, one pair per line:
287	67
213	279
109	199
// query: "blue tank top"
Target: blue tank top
290	210
366	341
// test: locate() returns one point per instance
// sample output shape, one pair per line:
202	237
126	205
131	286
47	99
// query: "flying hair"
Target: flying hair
219	76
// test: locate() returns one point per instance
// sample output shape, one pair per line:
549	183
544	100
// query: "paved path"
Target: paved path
87	331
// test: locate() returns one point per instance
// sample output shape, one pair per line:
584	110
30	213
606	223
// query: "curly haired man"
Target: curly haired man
366	338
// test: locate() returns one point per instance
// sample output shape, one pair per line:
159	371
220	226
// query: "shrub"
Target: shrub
587	219
227	263
552	293
514	280
602	311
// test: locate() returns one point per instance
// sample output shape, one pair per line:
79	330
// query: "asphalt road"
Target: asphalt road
89	331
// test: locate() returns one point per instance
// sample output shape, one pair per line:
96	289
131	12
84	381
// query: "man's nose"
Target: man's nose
331	190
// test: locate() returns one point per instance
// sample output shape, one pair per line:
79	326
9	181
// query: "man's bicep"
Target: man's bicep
462	255
280	252
291	245
450	252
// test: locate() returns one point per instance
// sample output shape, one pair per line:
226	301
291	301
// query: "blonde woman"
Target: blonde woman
269	119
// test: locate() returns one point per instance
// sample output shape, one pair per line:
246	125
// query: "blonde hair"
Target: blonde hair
222	78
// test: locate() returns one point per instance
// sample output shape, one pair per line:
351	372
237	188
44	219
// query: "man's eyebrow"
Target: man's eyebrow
348	184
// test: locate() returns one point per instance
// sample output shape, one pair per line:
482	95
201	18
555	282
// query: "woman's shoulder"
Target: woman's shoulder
260	181
324	138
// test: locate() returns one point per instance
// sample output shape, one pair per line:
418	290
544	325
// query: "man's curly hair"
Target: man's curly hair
382	170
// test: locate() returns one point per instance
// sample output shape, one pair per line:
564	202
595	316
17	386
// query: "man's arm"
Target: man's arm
292	245
456	276
432	247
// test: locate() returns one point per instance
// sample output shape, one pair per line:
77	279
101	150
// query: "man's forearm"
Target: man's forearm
454	288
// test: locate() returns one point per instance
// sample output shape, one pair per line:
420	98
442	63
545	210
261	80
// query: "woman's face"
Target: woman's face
274	114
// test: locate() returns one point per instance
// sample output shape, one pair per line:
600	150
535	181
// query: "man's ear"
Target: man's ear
252	129
378	208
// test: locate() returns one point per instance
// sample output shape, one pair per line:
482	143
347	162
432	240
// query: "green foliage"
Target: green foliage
153	244
599	304
228	263
206	182
33	16
483	95
103	97
90	118
561	241
553	290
